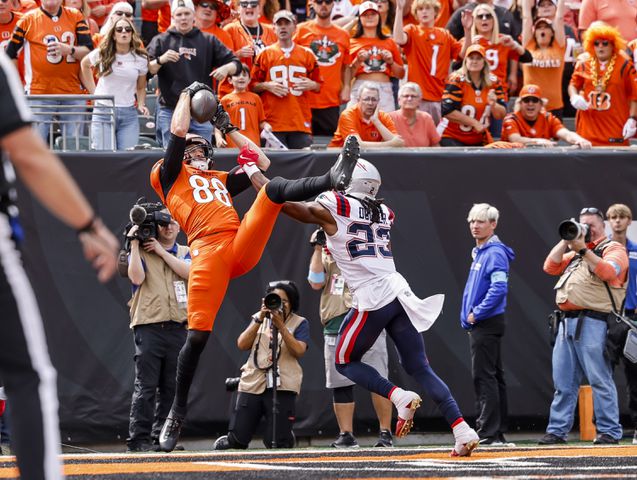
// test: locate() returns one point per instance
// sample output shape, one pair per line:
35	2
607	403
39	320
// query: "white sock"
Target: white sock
396	394
461	428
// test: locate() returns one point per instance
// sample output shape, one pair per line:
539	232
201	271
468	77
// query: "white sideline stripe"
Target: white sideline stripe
37	348
348	338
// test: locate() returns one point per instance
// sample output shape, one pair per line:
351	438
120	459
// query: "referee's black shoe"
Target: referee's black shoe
341	172
170	432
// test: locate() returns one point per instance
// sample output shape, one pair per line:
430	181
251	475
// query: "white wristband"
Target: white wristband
250	169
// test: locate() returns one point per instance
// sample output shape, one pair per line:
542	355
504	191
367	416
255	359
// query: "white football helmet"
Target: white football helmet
365	180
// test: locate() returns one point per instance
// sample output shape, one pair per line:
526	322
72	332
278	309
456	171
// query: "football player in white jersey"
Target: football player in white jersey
358	237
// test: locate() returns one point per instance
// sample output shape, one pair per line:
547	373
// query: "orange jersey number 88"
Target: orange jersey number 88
202	192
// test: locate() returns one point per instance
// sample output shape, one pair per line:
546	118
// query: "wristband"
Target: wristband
158	60
316	277
256	319
583	251
89	227
72	51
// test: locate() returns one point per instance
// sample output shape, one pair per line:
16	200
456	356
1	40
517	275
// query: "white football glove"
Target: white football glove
630	128
579	103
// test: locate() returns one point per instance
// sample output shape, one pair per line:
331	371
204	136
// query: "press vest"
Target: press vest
253	378
335	297
583	288
155	300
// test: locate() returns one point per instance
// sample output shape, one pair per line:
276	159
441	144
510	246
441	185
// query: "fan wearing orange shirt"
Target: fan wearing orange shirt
531	124
603	89
375	57
249	36
55	38
284	73
208	15
429	51
245	110
222	247
373	127
471	96
330	45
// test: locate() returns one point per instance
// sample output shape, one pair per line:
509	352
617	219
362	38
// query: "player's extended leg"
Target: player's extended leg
413	358
207	284
257	224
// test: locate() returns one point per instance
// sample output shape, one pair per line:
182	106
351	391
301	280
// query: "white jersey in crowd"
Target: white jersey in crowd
362	251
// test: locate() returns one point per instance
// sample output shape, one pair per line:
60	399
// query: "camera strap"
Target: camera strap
255	354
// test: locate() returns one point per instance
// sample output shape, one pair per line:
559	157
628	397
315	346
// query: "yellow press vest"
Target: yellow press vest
155	299
583	288
253	378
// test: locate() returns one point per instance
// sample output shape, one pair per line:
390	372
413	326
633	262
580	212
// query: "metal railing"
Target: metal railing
56	117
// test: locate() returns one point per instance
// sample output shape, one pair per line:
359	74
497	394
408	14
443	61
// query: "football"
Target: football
203	106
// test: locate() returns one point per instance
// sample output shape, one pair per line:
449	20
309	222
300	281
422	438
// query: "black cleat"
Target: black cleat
341	172
222	443
170	433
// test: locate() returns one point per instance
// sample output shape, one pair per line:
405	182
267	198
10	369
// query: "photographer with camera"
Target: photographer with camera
592	284
336	300
158	269
271	378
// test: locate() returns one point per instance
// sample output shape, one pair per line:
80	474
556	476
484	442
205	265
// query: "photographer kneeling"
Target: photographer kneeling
158	269
256	393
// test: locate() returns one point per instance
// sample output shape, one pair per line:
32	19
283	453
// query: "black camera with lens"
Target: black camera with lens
272	301
148	216
571	229
232	384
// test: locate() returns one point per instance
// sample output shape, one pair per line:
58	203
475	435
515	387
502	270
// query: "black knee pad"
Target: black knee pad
344	394
234	443
196	340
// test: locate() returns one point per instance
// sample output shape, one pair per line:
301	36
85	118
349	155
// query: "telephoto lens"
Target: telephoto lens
570	229
272	301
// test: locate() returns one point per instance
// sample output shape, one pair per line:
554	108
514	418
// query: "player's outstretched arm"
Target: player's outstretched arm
180	122
311	212
240	140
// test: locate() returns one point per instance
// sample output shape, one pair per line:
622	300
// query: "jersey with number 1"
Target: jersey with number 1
361	248
199	201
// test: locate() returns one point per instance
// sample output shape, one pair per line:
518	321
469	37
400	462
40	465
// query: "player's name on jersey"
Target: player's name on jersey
366	214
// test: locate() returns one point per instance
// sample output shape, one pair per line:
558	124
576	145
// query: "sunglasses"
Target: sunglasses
249	4
484	16
592	211
602	43
321	2
123	29
530	100
123	14
211	6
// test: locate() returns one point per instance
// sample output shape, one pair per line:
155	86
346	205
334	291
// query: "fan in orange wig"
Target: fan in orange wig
602	31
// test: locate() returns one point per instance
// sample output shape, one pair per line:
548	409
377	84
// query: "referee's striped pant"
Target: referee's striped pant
26	370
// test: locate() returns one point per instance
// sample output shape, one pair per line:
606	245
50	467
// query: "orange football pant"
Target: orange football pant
219	258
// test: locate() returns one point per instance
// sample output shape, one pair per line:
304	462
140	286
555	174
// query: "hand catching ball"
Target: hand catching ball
203	106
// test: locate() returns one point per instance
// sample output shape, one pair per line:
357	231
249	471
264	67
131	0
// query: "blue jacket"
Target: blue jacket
631	291
485	293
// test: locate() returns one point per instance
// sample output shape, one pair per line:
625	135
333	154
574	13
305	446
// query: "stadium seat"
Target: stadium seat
72	144
147	142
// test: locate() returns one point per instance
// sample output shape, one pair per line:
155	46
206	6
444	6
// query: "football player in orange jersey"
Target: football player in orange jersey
330	45
221	246
472	94
284	73
245	110
429	51
531	124
604	89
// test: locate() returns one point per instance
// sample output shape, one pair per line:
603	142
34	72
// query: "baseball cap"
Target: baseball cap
530	90
554	2
548	21
475	48
181	4
286	14
367	6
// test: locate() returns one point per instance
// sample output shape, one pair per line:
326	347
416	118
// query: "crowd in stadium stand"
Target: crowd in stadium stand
291	73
